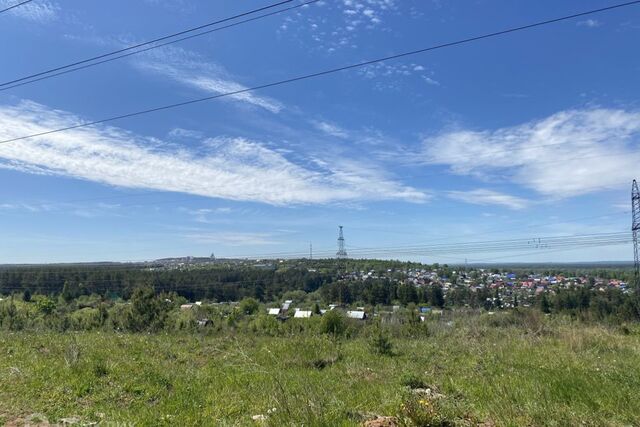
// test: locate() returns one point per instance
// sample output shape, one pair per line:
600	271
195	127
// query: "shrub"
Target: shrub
85	319
424	412
45	305
249	306
381	344
267	325
333	323
147	311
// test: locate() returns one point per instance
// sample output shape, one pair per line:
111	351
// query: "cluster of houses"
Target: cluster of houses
505	285
283	312
506	288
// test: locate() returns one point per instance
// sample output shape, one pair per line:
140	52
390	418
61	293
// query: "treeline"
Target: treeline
215	284
320	279
592	304
381	292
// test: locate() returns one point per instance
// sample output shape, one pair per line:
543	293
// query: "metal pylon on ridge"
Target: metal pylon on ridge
342	253
635	229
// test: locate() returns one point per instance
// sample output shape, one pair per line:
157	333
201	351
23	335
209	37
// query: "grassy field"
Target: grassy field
480	370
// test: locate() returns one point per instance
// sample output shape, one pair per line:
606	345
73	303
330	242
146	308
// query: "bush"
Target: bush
45	305
249	306
85	319
148	312
381	344
267	325
333	323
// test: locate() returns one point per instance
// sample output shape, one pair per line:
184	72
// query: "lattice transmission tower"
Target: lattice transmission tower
342	252
635	229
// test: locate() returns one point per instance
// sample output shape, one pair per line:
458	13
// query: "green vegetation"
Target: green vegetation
511	368
145	353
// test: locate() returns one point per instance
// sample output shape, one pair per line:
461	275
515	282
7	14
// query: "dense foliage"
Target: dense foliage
137	298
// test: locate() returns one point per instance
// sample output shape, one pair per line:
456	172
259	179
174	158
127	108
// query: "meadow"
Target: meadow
506	369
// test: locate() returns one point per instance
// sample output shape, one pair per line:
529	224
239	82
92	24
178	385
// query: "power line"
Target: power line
326	72
475	246
138	45
449	237
88	63
493	259
15	5
545	245
502	230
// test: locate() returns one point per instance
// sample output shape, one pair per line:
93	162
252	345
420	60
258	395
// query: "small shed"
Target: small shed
356	314
302	314
186	306
274	311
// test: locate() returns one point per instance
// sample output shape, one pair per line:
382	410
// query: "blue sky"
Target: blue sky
532	134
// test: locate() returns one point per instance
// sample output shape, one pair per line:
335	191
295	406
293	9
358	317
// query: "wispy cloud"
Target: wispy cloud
351	20
389	75
193	70
86	210
591	23
203	215
228	168
180	133
488	197
233	238
39	11
567	154
330	129
182	6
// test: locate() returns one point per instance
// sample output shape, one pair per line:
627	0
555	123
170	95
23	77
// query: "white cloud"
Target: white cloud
39	11
591	23
567	154
77	209
388	75
192	70
341	24
488	197
185	133
203	215
330	129
431	81
228	168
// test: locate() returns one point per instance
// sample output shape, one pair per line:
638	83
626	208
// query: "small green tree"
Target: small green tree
147	311
26	296
45	305
249	306
70	291
333	323
545	306
437	296
381	343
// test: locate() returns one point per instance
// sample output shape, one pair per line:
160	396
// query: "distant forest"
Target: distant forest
328	279
218	284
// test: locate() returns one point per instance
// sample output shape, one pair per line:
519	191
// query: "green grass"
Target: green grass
560	375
